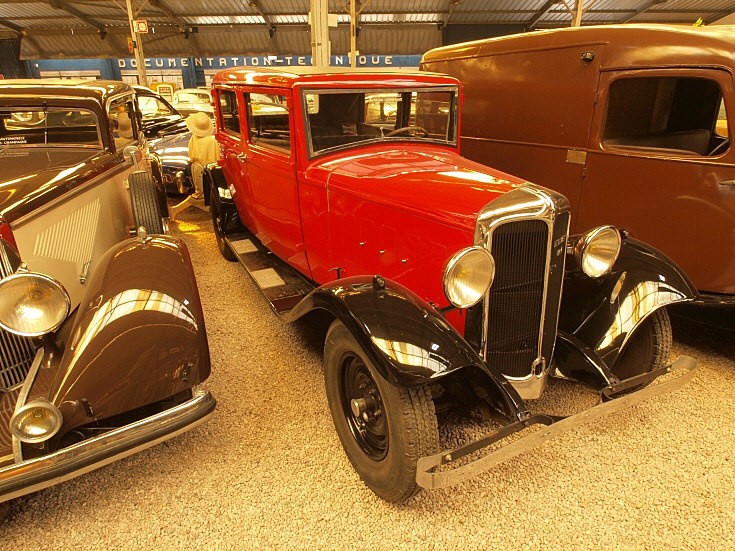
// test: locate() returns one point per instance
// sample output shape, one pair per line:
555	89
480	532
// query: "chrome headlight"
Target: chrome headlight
32	304
597	250
36	422
468	275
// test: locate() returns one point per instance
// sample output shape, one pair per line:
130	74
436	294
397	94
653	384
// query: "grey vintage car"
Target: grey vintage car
102	337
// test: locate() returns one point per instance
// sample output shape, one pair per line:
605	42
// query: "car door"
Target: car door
231	129
271	174
661	165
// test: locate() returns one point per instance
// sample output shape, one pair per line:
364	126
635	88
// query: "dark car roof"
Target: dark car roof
98	90
290	76
626	45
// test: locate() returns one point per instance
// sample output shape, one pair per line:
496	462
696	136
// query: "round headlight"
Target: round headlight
36	422
468	275
32	304
598	250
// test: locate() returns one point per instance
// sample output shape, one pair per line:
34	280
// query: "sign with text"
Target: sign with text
224	62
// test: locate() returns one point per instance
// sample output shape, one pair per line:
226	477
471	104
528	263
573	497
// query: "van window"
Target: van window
268	122
677	116
229	116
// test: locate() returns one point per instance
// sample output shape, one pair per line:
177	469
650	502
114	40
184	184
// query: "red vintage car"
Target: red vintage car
343	193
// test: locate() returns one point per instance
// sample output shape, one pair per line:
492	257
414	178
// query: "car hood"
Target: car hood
31	176
434	183
173	150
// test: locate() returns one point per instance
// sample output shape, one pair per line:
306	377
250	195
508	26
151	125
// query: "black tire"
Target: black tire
400	426
144	198
219	233
648	348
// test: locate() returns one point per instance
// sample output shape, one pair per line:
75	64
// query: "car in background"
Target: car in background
159	117
193	100
630	122
102	336
343	194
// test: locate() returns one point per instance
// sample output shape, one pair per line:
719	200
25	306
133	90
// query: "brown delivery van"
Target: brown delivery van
629	122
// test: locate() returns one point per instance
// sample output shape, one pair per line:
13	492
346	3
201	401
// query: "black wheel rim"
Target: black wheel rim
362	407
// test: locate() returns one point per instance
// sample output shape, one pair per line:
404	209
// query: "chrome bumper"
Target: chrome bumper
428	477
41	472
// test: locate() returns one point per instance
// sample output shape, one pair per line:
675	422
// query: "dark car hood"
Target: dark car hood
172	124
31	176
173	150
432	182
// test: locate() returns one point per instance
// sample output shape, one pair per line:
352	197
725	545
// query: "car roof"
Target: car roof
627	45
291	76
99	90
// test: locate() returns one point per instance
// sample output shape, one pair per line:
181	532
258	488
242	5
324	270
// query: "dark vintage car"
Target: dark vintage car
102	337
343	193
168	137
629	122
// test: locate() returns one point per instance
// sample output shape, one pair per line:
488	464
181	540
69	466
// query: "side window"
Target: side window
268	122
229	116
678	116
123	122
152	107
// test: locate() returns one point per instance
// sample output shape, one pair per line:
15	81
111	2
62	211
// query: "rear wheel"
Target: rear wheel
144	198
648	348
384	429
215	210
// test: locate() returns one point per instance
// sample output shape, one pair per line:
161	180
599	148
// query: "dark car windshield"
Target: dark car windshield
342	118
51	126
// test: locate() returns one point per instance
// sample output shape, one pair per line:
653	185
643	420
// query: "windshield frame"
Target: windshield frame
453	125
53	107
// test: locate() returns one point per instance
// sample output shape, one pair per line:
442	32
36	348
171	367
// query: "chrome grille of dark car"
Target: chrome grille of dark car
16	354
515	303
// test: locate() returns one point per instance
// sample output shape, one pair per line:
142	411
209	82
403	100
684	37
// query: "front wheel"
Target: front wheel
648	348
217	222
384	429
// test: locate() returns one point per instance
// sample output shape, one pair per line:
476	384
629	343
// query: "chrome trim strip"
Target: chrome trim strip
22	397
41	472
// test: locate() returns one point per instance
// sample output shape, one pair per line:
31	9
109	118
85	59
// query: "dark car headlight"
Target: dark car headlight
32	304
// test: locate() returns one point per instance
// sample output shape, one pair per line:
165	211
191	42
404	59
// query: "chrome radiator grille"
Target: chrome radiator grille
16	353
515	304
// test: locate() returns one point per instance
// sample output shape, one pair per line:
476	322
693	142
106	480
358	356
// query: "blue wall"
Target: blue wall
192	68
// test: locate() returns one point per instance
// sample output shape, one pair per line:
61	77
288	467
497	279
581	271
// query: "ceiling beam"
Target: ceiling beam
648	4
536	17
184	27
451	6
22	35
64	6
720	14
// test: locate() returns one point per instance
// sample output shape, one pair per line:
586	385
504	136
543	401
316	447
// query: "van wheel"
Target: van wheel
648	348
144	198
384	429
215	209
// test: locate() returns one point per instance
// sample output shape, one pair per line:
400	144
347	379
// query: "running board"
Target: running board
281	284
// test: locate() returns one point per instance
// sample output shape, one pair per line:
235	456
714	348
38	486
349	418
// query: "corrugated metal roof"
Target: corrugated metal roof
387	26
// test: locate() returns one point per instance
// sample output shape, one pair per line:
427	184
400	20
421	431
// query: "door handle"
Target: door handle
242	157
727	182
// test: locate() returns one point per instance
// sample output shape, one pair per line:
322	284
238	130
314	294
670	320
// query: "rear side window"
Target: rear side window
677	116
229	116
268	123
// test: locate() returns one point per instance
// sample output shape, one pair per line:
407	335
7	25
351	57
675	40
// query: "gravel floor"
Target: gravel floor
268	470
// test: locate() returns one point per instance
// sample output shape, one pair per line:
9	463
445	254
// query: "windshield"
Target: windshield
343	118
51	126
153	108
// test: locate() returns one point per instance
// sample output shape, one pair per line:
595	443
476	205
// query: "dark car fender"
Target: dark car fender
138	335
408	341
598	316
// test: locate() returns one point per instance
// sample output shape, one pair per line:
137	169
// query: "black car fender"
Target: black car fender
598	316
408	341
138	335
